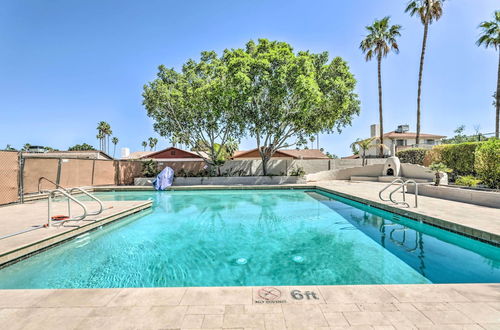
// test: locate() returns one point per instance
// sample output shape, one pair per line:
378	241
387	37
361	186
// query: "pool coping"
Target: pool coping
474	233
12	256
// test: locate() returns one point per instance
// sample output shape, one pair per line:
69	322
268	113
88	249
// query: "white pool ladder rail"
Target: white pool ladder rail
400	185
70	198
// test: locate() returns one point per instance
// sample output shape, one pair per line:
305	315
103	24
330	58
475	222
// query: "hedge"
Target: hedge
412	155
459	157
487	163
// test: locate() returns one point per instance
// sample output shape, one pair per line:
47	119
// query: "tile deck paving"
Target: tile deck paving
451	306
430	306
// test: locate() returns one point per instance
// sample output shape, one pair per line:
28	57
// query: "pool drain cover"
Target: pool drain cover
298	259
241	261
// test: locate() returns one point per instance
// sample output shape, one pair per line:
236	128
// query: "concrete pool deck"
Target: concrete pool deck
19	217
414	306
440	306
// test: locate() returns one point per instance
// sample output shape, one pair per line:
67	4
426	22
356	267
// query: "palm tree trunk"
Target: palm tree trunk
420	72
379	62
497	102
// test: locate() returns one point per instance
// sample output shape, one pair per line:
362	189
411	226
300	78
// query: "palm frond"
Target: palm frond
381	39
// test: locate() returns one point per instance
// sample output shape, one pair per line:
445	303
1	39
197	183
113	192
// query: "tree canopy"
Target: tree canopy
198	105
291	96
80	147
278	96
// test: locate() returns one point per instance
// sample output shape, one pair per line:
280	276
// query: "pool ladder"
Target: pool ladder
400	185
70	198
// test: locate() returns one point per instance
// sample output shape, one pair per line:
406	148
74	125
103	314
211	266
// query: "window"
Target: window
429	142
400	142
172	152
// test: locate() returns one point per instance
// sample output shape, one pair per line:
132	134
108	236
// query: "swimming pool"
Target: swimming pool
256	237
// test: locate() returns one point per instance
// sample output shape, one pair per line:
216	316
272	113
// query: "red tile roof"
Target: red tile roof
294	153
411	135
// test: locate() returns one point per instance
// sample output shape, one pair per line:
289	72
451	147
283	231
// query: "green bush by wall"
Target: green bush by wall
412	155
460	157
487	163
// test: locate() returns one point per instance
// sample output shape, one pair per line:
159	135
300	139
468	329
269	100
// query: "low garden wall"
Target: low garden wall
459	194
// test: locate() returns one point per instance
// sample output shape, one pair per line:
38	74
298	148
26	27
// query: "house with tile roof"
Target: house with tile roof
401	139
171	153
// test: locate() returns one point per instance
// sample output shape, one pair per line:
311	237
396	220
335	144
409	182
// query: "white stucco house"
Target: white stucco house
401	139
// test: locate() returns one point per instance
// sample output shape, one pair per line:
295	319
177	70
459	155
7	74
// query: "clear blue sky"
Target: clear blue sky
65	65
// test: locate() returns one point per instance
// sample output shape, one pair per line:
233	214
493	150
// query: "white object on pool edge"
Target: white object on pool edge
241	261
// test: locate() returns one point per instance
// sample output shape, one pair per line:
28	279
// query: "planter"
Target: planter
226	181
460	194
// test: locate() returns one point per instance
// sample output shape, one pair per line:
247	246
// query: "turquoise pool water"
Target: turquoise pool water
256	237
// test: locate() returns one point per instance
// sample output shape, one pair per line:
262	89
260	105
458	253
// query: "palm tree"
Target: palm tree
428	11
380	40
152	143
103	133
144	145
363	145
114	140
490	36
26	147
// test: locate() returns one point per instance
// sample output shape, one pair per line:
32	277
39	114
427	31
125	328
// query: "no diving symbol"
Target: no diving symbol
269	293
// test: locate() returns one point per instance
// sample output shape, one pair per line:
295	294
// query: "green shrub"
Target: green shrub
467	180
487	163
434	155
459	157
298	171
149	168
439	168
412	155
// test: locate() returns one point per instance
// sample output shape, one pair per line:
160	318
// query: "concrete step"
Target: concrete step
364	178
387	178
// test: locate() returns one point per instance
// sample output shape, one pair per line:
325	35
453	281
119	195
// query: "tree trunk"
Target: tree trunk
497	102
381	118
420	72
265	160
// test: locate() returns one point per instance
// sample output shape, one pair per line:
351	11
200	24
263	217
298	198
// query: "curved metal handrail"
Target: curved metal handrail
101	207
387	187
404	196
58	186
70	198
405	184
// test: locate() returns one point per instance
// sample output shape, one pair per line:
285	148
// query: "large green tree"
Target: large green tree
428	11
290	96
490	37
201	103
381	39
80	147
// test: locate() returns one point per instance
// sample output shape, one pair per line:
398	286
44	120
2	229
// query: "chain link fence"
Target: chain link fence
9	177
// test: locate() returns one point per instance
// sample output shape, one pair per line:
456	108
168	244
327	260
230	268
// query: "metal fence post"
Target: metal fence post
59	165
20	180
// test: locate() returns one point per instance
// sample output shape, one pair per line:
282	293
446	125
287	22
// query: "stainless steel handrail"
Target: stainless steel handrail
101	207
404	185
70	198
58	186
387	187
